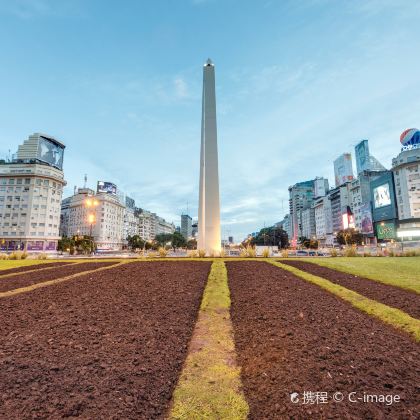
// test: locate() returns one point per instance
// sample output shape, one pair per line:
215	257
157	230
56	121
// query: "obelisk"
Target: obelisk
209	204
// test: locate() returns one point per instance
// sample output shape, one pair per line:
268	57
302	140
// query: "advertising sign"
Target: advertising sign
50	152
35	246
382	196
366	219
362	156
107	187
343	169
385	230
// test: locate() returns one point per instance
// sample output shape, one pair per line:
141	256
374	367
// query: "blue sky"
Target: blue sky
298	83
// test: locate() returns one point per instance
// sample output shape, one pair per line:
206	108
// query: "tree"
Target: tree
65	244
135	242
192	244
349	237
309	243
163	238
271	236
178	241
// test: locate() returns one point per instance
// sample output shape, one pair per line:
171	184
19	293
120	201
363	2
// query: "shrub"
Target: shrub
265	253
391	253
42	256
410	253
248	252
367	254
201	253
222	253
350	251
163	252
285	253
334	253
3	257
193	253
152	254
18	255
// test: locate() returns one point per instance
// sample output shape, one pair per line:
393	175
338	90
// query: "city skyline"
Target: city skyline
106	90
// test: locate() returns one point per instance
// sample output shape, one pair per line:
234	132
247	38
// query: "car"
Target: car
301	253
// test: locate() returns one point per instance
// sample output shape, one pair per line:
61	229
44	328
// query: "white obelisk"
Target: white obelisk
209	205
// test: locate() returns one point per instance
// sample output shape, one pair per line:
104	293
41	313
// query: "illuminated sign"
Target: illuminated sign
50	152
382	196
107	187
385	230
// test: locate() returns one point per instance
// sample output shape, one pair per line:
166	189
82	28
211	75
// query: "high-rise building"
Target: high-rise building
406	170
343	169
308	223
209	235
361	201
364	160
130	225
323	221
340	202
301	196
31	187
186	226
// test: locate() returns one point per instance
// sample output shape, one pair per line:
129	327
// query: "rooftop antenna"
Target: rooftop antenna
75	189
188	212
85	181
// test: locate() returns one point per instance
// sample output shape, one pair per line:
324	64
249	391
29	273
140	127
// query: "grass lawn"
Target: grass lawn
403	272
5	264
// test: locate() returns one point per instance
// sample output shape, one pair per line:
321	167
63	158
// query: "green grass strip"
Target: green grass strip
387	314
210	385
403	272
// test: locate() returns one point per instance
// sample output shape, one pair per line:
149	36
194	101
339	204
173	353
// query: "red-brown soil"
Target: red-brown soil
32	267
23	280
389	295
106	345
292	336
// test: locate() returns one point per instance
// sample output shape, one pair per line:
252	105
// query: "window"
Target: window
11	181
27	181
19	181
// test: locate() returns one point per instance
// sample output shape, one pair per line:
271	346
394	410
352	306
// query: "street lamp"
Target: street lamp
91	203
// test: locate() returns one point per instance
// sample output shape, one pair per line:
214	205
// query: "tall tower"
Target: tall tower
209	205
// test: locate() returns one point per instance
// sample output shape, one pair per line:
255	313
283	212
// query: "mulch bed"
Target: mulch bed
23	280
389	295
108	345
292	336
31	267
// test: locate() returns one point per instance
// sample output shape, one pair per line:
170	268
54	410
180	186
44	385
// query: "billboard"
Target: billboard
366	219
362	156
50	152
381	196
385	230
106	187
343	169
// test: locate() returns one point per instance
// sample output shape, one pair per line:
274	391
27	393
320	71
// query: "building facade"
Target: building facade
406	171
186	226
301	196
308	223
323	221
106	224
31	187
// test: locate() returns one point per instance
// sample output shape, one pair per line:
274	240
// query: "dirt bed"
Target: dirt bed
291	336
389	295
31	267
109	345
23	280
